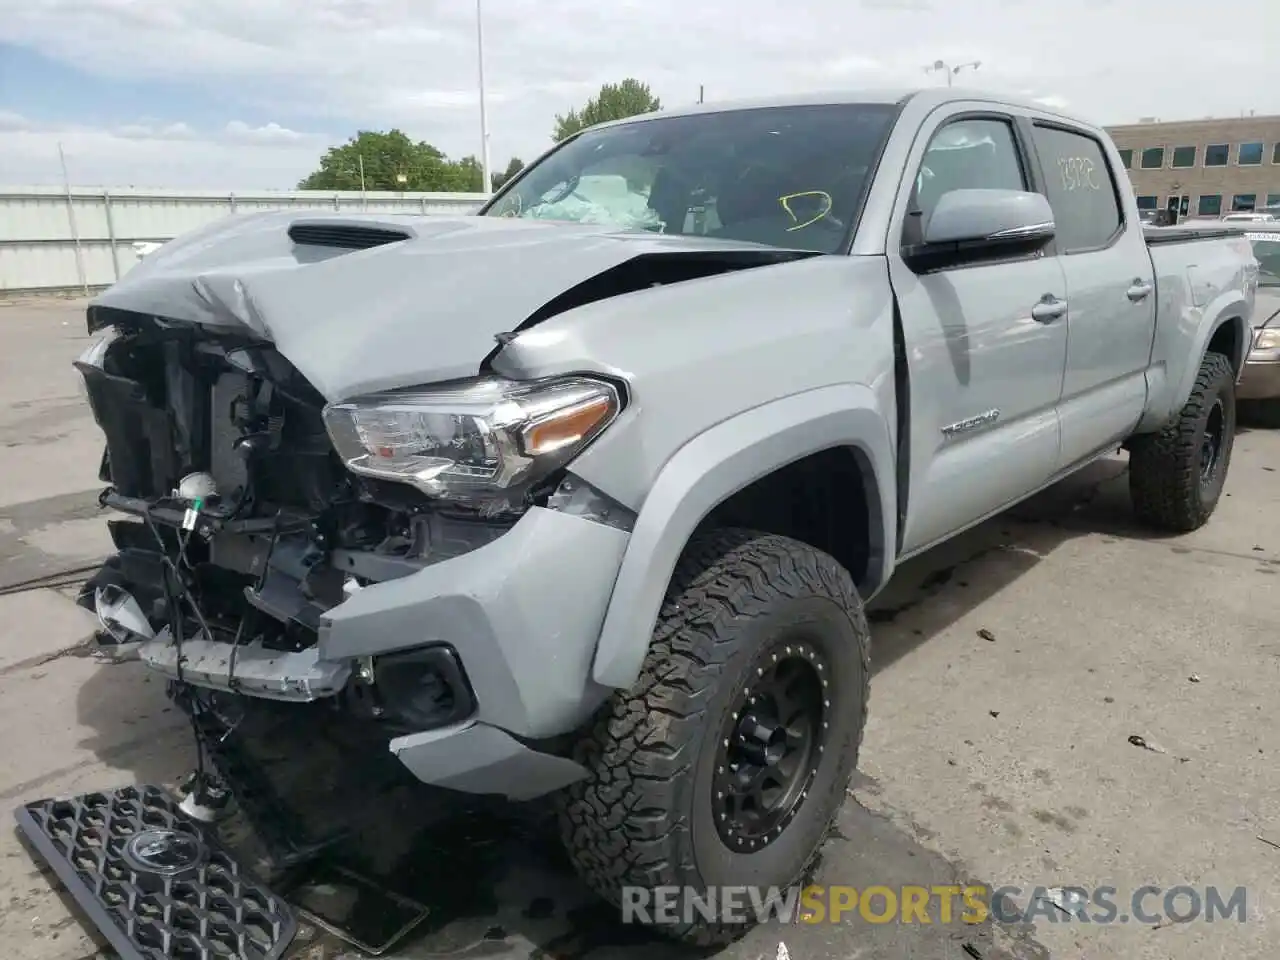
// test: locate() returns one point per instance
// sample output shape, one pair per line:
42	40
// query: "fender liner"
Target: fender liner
718	463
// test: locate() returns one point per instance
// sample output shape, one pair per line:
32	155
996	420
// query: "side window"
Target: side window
1080	188
966	155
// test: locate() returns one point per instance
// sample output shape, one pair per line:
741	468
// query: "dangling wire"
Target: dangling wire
172	579
232	685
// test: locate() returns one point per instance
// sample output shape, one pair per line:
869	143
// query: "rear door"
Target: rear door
1111	314
985	375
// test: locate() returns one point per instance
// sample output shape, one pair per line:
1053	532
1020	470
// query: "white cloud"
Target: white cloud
1054	102
10	121
148	156
241	132
412	63
850	66
916	6
147	131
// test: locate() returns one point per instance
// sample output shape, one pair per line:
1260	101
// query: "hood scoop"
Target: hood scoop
343	236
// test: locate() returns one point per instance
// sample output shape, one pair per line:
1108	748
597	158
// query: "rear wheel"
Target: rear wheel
1176	476
728	760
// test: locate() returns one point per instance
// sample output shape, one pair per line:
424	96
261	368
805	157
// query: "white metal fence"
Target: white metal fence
55	240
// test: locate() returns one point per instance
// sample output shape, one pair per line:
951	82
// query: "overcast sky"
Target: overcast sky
241	94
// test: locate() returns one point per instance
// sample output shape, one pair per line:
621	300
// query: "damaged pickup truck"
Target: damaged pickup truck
583	496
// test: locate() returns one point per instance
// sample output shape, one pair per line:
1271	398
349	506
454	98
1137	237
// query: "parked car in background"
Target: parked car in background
1248	216
1260	384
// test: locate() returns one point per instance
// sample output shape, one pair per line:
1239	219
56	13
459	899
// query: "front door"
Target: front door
985	374
1178	207
1110	294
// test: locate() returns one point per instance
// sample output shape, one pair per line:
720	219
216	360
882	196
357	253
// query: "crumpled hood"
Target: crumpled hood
356	321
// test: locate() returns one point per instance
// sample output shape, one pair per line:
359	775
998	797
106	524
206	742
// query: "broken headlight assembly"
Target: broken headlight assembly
483	443
95	355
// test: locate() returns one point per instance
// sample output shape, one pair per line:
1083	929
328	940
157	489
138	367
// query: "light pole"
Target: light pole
486	185
950	70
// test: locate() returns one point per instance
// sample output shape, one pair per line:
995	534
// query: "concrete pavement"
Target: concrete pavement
1012	668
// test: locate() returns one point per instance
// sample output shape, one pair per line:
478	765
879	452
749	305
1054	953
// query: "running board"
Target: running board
154	881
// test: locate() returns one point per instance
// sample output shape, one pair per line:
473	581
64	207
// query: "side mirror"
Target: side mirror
972	225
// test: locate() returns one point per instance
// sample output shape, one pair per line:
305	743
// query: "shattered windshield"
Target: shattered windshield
789	177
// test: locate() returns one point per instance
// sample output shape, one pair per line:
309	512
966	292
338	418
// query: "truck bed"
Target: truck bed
1185	233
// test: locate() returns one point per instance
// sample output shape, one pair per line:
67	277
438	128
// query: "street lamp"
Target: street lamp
950	70
486	185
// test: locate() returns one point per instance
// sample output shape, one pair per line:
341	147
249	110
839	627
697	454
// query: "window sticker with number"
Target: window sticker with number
1079	173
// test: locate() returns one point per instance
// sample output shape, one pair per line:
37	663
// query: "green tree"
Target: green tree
462	176
514	166
387	157
615	101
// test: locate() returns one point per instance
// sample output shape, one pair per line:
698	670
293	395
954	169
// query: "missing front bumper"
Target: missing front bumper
155	882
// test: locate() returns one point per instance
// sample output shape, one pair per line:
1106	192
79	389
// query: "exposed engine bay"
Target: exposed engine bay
272	458
244	526
246	514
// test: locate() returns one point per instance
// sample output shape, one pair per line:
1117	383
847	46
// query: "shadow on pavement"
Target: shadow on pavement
983	561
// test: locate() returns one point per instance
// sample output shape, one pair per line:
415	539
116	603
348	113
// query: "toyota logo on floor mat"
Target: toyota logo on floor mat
165	852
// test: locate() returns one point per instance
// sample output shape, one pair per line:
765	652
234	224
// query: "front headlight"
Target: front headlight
1268	338
480	442
95	355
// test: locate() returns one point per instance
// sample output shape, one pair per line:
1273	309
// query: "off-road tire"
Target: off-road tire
643	817
1164	468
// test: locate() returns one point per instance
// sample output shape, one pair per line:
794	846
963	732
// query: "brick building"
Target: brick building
1203	168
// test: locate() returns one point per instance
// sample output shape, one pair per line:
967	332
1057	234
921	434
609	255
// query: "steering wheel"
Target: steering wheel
512	210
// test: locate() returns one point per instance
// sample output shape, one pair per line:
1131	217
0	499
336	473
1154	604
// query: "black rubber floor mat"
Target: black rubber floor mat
355	908
153	880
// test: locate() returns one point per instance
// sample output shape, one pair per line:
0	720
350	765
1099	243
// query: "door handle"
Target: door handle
1049	309
1139	290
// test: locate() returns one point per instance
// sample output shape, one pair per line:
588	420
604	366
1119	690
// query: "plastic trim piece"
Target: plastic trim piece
205	909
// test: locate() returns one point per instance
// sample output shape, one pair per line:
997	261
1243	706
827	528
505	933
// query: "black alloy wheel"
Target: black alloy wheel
771	745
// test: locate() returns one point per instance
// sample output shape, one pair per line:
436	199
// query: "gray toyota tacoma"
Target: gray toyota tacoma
583	496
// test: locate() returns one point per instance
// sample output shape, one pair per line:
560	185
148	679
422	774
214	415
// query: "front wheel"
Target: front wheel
726	763
1176	476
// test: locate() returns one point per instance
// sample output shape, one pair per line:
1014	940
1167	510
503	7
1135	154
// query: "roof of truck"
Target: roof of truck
930	96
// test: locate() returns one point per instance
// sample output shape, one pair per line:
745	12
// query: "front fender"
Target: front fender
718	463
